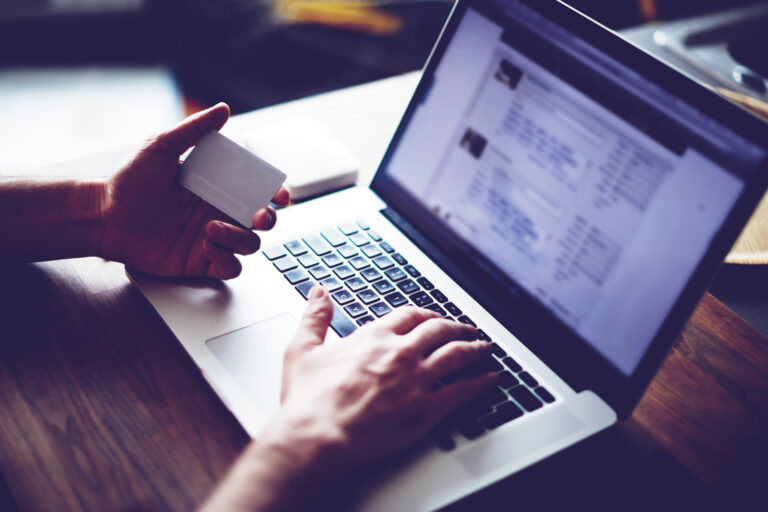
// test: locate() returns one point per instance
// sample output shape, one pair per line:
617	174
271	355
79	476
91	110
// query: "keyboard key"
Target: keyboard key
274	252
343	272
343	297
370	274
412	271
383	262
371	251
471	429
334	237
355	309
396	274
439	296
407	286
383	287
318	244
493	397
525	398
497	350
295	247
511	364
489	364
349	228
285	264
443	440
436	308
466	320
482	335
368	296
528	379
425	283
421	299
452	309
380	309
332	259
544	394
507	380
331	284
355	284
347	251
296	276
359	239
374	236
359	262
320	272
504	414
396	299
365	320
399	259
386	247
363	225
308	260
341	324
304	288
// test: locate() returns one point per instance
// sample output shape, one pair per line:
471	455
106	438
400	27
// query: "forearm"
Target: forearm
284	470
49	219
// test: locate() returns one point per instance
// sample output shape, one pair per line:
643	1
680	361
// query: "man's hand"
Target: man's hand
373	394
348	404
155	226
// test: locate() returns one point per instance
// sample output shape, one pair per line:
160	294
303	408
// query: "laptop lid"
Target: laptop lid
582	191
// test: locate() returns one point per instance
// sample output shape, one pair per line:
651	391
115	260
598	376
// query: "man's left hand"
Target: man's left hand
155	226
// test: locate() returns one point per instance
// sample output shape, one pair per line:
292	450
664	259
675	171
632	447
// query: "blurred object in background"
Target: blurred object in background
620	14
255	53
726	49
65	32
47	116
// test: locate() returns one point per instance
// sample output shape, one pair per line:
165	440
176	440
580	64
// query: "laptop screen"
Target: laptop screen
580	181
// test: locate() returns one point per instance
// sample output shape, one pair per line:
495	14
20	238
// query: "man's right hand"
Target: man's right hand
351	403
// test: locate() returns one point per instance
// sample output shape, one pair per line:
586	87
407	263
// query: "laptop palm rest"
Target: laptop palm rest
253	356
525	440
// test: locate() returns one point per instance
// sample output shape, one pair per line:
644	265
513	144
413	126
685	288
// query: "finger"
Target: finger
224	264
283	196
433	333
264	219
461	392
454	356
184	135
315	321
238	240
404	320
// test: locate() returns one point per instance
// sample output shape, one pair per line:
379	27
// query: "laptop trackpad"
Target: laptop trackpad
253	356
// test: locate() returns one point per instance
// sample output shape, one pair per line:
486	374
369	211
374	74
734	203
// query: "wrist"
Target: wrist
93	217
303	447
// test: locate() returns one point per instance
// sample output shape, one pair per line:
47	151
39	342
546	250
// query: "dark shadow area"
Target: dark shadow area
744	289
601	473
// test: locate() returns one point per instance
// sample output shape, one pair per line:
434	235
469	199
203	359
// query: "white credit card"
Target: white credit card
229	177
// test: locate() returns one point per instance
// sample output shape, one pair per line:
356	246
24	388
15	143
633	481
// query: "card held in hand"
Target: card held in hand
229	177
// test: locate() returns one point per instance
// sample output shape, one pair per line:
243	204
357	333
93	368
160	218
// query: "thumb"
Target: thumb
184	135
315	321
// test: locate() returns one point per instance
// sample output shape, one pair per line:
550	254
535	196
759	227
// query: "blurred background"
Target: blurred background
84	76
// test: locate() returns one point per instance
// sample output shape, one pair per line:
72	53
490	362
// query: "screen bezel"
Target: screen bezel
573	358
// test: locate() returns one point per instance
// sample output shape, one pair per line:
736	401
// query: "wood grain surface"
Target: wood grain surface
103	410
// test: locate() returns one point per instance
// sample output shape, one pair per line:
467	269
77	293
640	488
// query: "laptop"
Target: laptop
549	183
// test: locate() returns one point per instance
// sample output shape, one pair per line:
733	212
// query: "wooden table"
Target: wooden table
103	410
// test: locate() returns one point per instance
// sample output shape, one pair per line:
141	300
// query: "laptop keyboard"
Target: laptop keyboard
367	279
